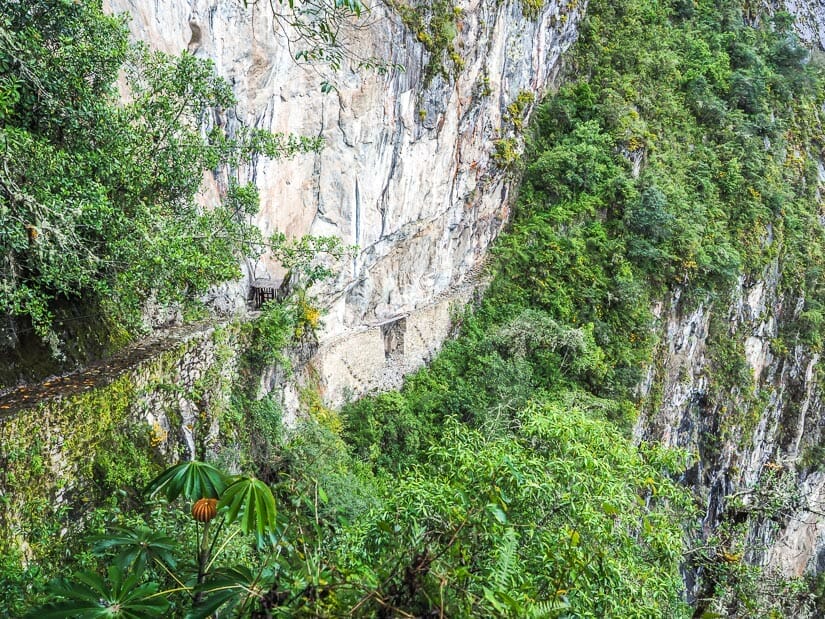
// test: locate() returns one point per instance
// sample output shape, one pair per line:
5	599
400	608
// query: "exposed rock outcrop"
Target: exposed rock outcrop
746	430
809	16
755	438
408	173
409	176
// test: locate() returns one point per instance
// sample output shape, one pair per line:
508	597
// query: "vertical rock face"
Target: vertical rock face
407	173
749	431
809	15
757	437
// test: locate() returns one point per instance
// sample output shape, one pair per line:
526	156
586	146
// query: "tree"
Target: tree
562	517
97	187
318	33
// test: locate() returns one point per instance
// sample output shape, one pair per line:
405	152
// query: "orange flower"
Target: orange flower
205	509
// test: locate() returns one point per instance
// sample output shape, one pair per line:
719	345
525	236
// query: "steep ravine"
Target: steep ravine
409	175
408	171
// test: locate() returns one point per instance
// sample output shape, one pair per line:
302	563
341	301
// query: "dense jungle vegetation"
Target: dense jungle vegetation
98	208
502	480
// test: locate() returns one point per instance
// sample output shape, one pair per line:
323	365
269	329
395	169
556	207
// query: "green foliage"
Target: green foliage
728	358
551	517
518	109
97	195
136	548
435	25
530	521
21	583
256	432
812	458
531	8
740	589
817	588
128	461
676	157
318	30
320	481
119	595
234	590
108	454
192	480
144	557
506	153
484	378
385	430
86	425
270	334
501	480
615	209
666	161
309	259
250	503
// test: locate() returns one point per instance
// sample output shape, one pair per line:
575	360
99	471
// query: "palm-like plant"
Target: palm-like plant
241	501
89	596
137	547
193	480
250	502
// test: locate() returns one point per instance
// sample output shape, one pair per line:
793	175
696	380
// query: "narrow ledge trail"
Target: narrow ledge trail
100	373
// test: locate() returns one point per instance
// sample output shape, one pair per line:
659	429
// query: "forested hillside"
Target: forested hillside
679	154
98	196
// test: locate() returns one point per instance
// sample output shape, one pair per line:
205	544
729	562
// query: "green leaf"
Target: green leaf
91	596
193	480
490	596
136	547
250	503
497	512
230	586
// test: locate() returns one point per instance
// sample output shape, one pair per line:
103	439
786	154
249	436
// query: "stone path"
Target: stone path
97	374
101	373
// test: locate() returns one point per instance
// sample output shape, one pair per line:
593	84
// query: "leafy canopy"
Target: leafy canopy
97	185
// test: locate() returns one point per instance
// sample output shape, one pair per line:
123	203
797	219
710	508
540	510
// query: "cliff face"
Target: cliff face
751	435
809	15
757	438
407	173
409	176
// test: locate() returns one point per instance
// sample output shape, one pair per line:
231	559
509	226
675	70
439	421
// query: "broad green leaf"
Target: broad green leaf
137	547
193	480
250	503
90	597
497	512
